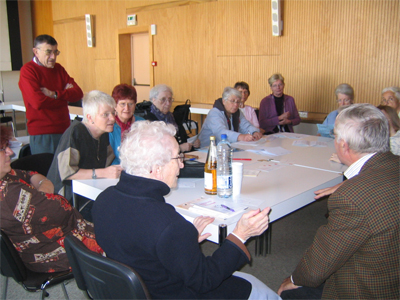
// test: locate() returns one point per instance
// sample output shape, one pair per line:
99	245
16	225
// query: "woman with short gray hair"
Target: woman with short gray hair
344	97
161	97
226	118
84	151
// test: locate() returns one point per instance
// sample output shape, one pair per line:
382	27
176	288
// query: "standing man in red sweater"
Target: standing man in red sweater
47	88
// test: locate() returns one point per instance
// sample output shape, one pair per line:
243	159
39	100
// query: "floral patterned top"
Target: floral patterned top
37	223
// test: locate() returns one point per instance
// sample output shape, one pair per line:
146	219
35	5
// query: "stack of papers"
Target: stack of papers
214	207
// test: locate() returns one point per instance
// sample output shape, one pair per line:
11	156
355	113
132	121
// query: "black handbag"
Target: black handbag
192	169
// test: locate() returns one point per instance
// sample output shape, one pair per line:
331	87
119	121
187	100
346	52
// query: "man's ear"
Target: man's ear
345	147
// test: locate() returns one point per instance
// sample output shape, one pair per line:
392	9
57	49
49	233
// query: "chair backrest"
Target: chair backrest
11	262
101	277
25	151
37	162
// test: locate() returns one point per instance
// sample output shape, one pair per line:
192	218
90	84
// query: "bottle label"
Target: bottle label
224	181
208	181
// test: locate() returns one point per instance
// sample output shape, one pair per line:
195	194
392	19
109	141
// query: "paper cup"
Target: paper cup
237	178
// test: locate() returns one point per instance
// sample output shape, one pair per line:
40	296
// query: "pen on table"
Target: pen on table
224	206
248	159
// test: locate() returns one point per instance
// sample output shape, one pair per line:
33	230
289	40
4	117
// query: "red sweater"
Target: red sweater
47	115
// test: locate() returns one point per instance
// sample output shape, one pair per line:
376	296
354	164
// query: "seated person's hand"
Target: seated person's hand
196	143
201	223
185	147
327	191
68	86
284	116
245	138
253	223
335	158
287	285
113	171
257	136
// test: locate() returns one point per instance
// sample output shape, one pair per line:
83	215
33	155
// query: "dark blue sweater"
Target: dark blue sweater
135	226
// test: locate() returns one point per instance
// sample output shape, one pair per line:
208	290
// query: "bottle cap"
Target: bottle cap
212	138
223	136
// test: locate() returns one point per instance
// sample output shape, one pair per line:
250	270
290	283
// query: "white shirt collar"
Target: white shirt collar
355	167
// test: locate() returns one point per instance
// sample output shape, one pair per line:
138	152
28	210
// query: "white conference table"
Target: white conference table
20	106
201	109
285	189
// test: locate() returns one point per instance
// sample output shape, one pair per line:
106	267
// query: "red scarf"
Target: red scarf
124	126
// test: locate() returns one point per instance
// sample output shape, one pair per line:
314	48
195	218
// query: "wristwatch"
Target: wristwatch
94	174
55	95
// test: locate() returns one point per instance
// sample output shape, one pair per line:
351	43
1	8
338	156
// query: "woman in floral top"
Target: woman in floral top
36	220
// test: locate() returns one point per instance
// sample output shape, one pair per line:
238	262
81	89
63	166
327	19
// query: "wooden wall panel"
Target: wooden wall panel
202	48
42	17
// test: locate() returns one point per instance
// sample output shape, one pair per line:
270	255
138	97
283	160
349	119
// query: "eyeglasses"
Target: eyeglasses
386	101
107	114
49	52
348	101
277	85
234	102
163	100
4	148
180	157
123	105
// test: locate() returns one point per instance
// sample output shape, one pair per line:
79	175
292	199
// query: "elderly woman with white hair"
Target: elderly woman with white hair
227	118
391	97
344	96
161	97
84	151
135	226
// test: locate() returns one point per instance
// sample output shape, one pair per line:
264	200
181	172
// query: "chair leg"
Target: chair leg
64	291
4	296
44	293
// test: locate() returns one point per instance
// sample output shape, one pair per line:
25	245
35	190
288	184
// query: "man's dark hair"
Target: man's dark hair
44	38
243	85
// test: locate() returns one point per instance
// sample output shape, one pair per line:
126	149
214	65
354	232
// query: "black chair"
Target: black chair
25	151
12	266
101	277
7	119
37	162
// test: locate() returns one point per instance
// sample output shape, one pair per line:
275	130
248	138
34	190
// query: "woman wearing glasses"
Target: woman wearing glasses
278	112
344	97
84	151
161	96
391	97
35	220
125	99
135	226
226	118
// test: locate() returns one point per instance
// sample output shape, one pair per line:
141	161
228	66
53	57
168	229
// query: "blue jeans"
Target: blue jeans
44	143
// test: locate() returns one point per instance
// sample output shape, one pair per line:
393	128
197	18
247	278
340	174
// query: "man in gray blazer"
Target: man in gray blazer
356	254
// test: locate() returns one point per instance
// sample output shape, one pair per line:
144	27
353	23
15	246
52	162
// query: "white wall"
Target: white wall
5	55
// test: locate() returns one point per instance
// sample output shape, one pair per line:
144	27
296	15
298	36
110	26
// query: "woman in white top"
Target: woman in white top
248	111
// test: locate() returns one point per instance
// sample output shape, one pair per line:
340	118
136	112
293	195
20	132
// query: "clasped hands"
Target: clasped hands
51	94
284	118
250	137
252	223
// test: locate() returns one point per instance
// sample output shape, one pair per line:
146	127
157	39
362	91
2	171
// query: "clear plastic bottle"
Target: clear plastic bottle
210	169
224	168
